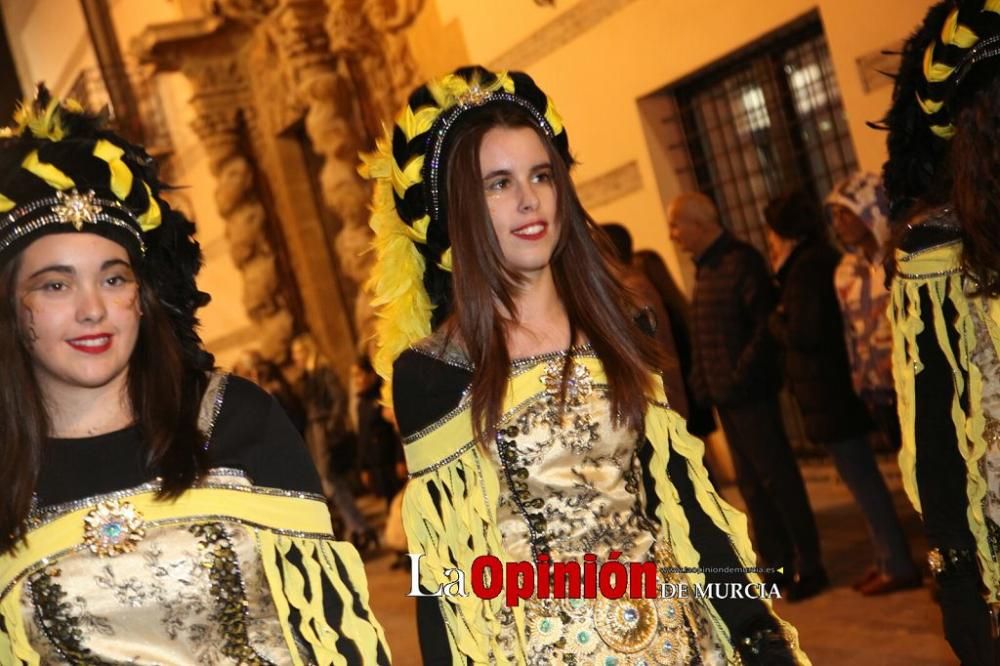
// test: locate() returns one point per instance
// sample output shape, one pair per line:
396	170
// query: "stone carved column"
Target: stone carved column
220	128
319	81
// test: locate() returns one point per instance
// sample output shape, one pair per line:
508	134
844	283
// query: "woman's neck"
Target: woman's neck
86	412
542	323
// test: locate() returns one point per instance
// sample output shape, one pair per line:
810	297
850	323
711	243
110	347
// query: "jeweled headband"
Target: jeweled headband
411	281
72	210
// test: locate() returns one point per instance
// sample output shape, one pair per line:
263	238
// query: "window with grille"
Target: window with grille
761	122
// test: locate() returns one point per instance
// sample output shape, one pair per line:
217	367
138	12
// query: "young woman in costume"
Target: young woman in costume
533	426
151	510
941	179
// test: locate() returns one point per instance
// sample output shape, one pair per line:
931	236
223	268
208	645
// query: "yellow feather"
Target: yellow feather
952	32
5	204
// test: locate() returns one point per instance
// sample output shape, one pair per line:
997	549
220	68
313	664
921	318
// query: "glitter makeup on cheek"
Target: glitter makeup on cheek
27	323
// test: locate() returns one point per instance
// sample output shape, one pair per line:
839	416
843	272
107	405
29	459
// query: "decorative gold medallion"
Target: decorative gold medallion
626	625
77	209
113	528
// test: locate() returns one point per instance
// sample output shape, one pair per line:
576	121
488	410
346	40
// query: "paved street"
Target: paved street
837	627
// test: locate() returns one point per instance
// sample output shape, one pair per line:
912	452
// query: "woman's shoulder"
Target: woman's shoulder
428	381
249	430
932	232
442	347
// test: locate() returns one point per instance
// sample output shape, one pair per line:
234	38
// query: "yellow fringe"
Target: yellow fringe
321	558
449	516
943	285
458	500
14	645
289	584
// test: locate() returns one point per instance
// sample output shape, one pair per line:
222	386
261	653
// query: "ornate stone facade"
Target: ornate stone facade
278	84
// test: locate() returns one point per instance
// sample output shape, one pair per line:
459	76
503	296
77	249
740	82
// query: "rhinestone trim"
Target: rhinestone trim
220	394
48	514
443	124
928	276
98	213
468	445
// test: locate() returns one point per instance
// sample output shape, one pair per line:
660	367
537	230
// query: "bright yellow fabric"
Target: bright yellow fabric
449	513
278	523
47	172
938	271
121	175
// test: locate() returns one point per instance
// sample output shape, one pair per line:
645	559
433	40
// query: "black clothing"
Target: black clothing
736	369
734	356
252	433
809	325
426	389
942	477
771	484
379	448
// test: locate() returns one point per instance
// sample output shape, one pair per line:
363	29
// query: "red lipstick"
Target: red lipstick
531	231
92	344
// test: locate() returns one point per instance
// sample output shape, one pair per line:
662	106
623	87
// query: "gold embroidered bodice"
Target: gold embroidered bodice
571	484
572	476
190	592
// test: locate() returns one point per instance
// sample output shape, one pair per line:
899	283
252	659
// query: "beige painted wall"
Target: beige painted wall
60	26
597	76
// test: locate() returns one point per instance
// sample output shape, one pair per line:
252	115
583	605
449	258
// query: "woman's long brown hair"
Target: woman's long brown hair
975	186
582	267
164	388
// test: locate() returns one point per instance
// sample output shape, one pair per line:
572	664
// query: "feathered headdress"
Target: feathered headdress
62	172
411	280
955	38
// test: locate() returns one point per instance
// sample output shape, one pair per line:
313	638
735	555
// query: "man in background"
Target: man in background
736	371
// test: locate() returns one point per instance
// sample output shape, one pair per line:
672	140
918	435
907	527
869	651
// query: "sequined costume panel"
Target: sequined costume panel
571	485
984	357
188	593
191	592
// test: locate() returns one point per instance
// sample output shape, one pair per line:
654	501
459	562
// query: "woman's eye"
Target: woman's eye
497	185
117	281
54	286
543	177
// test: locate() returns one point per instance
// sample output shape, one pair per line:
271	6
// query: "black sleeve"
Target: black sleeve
424	389
746	618
254	434
941	482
